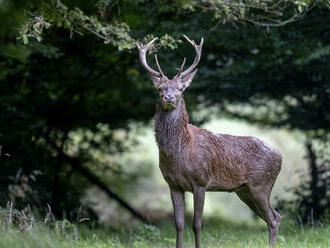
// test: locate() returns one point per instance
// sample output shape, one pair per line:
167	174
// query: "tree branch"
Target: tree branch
93	179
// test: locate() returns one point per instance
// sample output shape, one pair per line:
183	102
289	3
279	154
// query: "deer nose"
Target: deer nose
169	98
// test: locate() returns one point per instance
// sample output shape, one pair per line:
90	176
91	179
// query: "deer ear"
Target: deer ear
156	80
187	79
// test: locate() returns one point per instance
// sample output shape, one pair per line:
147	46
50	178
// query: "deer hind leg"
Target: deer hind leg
258	199
245	196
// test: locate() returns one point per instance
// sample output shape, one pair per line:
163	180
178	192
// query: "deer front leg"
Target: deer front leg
178	206
199	197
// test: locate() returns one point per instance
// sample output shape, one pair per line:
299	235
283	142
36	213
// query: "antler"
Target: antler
158	66
198	50
143	59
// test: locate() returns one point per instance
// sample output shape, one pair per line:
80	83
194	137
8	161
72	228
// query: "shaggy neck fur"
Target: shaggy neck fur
171	128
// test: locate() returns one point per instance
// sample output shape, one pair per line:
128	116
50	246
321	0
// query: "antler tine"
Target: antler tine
198	50
181	68
184	61
159	69
189	40
143	58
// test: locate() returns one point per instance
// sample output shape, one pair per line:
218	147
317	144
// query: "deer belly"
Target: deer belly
184	179
225	182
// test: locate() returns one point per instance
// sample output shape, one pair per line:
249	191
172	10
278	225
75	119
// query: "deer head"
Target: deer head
171	90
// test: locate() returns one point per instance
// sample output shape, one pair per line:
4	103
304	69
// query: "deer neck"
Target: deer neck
171	128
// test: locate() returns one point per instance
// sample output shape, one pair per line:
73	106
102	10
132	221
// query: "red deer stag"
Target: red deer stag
196	160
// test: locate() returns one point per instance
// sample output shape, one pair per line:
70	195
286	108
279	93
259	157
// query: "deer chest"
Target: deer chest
182	174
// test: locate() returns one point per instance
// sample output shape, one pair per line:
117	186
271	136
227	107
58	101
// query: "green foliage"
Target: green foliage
58	14
77	22
316	54
262	13
70	84
33	28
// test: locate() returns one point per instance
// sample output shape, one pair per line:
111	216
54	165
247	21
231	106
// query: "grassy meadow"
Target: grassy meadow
216	233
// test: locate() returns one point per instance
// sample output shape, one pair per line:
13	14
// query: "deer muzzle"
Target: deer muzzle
169	102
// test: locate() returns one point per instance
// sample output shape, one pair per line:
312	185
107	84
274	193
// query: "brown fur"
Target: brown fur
191	156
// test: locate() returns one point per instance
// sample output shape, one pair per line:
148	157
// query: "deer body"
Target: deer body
196	160
192	157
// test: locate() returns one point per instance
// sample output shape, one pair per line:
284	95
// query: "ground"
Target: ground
216	233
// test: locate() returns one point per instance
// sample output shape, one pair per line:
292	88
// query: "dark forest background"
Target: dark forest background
70	69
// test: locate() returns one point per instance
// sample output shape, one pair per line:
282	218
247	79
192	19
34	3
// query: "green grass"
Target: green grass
216	233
